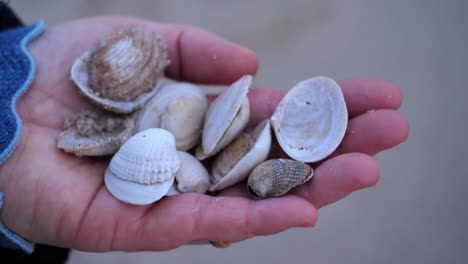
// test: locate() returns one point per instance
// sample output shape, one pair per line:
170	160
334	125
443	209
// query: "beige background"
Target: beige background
418	212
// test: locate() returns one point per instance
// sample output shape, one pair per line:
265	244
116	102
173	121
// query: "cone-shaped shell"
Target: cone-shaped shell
148	157
95	133
311	120
276	177
227	116
236	161
192	175
123	71
180	109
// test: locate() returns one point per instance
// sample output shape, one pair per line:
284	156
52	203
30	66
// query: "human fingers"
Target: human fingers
360	96
338	177
196	55
373	132
187	218
369	133
199	56
332	181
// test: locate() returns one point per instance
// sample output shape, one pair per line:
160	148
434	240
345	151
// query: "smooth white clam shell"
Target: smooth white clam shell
311	119
79	75
221	116
136	193
240	171
192	175
179	108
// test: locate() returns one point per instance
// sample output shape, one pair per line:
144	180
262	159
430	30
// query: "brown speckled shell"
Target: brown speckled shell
95	133
126	65
276	177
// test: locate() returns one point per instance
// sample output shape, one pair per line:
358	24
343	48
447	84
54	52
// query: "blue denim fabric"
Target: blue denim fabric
16	74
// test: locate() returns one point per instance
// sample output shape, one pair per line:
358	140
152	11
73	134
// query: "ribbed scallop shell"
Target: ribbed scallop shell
95	133
235	162
123	71
311	120
179	108
192	175
227	116
276	177
148	157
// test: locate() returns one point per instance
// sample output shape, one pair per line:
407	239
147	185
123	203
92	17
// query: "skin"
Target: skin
56	198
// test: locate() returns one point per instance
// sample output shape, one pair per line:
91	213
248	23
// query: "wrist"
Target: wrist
16	74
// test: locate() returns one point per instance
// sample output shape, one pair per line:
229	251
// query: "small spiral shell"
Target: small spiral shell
276	177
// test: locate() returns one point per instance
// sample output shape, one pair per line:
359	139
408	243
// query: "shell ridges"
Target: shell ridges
276	177
147	157
123	71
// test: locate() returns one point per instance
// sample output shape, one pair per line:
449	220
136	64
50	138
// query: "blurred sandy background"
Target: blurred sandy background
418	213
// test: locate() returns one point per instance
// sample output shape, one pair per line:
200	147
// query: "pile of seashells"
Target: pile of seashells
162	137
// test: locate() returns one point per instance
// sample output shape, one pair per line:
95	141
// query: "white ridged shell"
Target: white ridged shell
311	120
192	175
241	169
179	108
147	157
224	120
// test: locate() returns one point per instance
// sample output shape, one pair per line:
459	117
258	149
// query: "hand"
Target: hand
56	198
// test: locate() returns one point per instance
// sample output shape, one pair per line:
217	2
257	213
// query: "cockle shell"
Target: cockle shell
95	133
144	168
123	71
192	175
227	116
235	162
276	177
179	108
311	120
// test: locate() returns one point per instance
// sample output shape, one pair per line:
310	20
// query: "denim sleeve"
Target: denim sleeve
16	74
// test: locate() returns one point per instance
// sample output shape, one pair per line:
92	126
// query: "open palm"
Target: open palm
59	199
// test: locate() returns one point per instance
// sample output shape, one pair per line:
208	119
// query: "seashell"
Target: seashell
173	190
311	120
98	133
179	108
227	116
144	168
192	175
123	71
235	162
220	244
276	177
